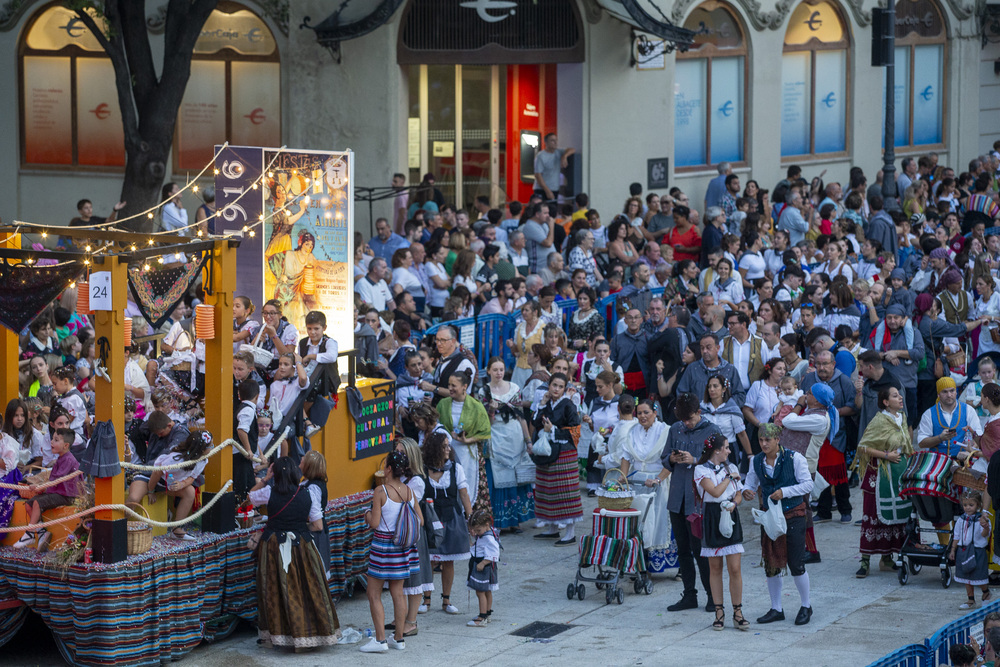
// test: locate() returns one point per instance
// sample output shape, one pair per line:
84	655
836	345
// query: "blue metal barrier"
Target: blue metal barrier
956	632
568	307
911	655
492	332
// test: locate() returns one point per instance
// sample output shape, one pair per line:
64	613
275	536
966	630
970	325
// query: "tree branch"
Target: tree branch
185	20
113	47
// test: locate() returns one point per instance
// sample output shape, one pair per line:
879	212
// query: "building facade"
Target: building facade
467	89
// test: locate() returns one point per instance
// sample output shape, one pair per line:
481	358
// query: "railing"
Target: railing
934	650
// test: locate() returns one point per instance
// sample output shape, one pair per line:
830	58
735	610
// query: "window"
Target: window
709	90
919	55
69	104
814	82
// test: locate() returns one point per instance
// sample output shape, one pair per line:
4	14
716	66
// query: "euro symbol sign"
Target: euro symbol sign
74	28
830	100
927	93
814	21
256	116
101	111
482	8
727	109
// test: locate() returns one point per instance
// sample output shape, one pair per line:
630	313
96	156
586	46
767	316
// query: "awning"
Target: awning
647	15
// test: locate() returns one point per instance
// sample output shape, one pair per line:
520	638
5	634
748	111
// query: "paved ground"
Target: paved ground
855	621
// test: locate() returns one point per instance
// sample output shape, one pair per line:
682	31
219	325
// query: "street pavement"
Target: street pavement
855	621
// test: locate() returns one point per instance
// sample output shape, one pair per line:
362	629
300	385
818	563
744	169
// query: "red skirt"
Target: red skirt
832	465
636	383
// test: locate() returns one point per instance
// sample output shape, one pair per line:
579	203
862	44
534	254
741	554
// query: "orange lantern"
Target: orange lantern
128	332
83	298
309	279
204	321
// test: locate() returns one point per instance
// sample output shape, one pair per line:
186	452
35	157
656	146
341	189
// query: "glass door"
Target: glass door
442	123
477	104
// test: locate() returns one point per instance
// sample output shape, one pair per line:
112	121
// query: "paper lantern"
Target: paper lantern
83	298
128	332
204	321
309	280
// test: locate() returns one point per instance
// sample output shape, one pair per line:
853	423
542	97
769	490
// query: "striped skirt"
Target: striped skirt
387	561
557	490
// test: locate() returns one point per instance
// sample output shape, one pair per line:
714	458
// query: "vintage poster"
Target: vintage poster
303	249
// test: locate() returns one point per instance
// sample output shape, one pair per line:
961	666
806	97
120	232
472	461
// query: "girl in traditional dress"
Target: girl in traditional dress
641	454
421	583
718	484
10	454
782	475
557	485
509	470
244	329
447	487
465	418
483	565
885	440
600	421
289	567
387	561
972	535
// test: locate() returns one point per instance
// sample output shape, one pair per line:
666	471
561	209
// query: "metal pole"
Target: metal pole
889	193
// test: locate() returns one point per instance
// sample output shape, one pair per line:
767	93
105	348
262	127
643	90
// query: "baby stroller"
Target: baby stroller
927	483
615	552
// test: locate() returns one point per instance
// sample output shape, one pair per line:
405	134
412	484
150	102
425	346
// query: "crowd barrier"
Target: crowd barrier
487	335
934	650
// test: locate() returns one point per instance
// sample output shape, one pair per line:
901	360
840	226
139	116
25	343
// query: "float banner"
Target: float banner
303	250
238	205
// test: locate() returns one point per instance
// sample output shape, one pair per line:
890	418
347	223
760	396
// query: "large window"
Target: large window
69	104
920	54
814	104
709	91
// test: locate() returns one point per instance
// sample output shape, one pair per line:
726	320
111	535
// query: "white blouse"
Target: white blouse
709	471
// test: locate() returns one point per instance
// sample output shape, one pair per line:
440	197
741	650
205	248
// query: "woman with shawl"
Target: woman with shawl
466	420
294	292
640	462
808	430
721	409
885	441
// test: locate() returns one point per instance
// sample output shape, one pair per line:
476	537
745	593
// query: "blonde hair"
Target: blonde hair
412	450
313	466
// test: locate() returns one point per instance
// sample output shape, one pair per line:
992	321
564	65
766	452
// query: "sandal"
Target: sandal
987	595
739	621
720	617
447	607
971	604
480	621
425	605
411	633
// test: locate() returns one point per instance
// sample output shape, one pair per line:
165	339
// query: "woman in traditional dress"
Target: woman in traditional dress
782	475
885	440
527	334
465	419
290	568
294	290
509	470
718	407
641	453
599	422
585	321
281	227
557	485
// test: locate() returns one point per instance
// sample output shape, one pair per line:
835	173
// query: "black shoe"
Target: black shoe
547	536
822	519
565	543
805	613
812	558
771	616
686	602
591	493
710	605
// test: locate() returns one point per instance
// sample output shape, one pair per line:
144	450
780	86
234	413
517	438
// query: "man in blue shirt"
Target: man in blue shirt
386	241
717	186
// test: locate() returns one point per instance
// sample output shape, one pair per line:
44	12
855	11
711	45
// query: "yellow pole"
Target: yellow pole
109	534
219	386
9	350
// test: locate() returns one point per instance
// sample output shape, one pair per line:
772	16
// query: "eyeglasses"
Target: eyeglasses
270	312
442	340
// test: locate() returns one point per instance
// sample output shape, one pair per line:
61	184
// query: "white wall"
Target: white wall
989	95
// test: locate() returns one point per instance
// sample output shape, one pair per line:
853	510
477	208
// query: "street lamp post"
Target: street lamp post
887	41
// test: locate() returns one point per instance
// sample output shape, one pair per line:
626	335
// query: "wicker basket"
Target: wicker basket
140	533
41	477
622	500
963	477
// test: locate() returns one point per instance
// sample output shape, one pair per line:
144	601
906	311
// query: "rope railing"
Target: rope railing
215	450
127	510
43	485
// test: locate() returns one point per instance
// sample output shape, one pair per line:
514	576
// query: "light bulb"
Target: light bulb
145	267
88	248
150	242
149	215
86	262
159	260
216	172
270	174
199	232
133	247
45	235
195	188
254	186
252	233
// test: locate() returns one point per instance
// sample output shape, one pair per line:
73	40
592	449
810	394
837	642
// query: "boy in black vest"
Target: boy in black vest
318	349
245	430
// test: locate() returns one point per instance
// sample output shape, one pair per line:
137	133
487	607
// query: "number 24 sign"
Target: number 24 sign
100	290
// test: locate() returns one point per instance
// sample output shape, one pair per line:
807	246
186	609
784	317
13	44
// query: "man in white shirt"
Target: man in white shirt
940	427
771	333
373	288
741	349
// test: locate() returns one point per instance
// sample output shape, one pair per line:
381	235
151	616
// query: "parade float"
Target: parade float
138	599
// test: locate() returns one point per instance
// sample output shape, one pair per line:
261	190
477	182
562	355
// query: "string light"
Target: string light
149	215
195	188
270	174
88	248
86	262
72	285
145	267
45	235
216	172
254	186
252	233
133	247
200	233
159	260
150	241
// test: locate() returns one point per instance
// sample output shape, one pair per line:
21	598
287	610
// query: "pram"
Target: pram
615	552
927	483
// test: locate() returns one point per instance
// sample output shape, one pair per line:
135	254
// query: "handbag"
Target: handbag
892	509
970	563
545	451
407	526
261	357
432	524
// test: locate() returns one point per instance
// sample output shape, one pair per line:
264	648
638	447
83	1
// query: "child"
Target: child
180	482
264	438
789	396
165	436
973	391
41	447
163	401
15	425
807	318
69	397
243	368
245	429
244	329
485	553
972	536
314	472
318	348
289	381
40	339
54	496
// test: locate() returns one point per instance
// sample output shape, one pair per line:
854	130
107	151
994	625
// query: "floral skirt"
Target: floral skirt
511	506
876	537
9	496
